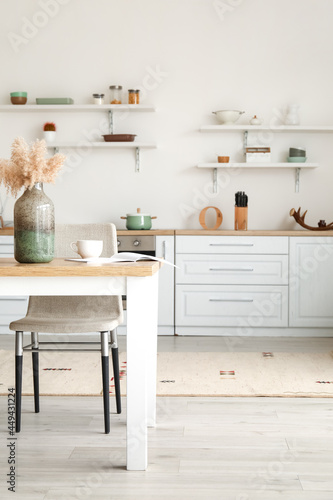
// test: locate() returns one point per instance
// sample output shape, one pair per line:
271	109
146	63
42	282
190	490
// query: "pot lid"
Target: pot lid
137	215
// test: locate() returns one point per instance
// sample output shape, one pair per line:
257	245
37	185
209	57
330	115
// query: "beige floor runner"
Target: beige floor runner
185	374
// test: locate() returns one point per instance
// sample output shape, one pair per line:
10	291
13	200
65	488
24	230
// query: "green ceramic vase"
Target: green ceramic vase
34	226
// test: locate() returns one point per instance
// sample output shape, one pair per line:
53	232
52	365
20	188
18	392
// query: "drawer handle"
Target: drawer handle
231	269
231	244
230	300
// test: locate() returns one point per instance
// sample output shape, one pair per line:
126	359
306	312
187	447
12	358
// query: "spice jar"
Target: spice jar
115	94
98	98
133	96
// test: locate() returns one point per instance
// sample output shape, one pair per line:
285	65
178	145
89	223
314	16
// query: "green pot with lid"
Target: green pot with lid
138	221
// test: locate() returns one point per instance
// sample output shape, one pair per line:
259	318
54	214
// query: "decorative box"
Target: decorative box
258	154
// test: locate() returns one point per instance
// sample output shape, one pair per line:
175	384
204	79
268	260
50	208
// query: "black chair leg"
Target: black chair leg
105	378
35	369
115	363
18	378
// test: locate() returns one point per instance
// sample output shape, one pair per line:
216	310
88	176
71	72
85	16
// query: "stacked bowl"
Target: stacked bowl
297	155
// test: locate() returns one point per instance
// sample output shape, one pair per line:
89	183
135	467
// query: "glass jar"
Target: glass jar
116	94
34	226
133	96
98	98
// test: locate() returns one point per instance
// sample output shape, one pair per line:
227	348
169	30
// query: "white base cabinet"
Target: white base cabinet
11	308
254	285
311	282
231	281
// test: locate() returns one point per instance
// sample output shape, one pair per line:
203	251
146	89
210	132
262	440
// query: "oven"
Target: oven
136	244
157	246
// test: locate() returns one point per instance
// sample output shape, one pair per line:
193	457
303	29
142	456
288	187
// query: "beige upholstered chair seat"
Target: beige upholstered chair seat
71	315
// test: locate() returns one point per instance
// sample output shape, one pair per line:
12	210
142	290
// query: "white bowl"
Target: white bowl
228	117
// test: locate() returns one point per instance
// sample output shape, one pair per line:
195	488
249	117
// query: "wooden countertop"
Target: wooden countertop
61	267
217	232
121	232
208	232
150	232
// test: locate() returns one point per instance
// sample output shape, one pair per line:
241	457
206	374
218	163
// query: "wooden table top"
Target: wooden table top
61	267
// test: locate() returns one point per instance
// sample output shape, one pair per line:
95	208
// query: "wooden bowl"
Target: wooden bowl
223	159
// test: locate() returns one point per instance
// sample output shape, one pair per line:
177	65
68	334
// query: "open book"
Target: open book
122	257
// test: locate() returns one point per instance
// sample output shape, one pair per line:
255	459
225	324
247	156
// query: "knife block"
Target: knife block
241	218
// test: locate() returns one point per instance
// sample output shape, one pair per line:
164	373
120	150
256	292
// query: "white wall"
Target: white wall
258	56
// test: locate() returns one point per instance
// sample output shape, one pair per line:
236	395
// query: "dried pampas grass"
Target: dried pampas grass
28	165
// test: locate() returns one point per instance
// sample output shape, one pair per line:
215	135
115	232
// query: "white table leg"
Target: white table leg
142	301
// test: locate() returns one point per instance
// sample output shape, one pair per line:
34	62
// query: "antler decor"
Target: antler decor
322	226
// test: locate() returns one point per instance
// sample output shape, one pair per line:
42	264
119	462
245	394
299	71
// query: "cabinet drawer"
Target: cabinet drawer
6	246
13	306
232	244
232	269
219	305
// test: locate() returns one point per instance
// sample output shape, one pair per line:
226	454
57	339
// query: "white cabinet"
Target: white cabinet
237	306
11	308
233	269
232	245
165	248
230	281
311	282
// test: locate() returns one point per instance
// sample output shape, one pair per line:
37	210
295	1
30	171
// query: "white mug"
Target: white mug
87	248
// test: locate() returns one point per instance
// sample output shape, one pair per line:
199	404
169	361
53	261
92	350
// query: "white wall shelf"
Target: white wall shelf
246	128
258	165
76	107
106	145
267	128
109	108
296	166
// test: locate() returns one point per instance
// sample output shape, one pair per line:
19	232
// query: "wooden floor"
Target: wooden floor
202	448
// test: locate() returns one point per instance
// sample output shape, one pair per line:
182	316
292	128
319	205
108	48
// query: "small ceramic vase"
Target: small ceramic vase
255	121
50	135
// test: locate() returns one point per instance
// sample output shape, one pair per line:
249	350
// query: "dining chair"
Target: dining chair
72	315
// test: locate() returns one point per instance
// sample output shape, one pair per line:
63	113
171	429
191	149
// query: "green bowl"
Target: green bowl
296	159
19	94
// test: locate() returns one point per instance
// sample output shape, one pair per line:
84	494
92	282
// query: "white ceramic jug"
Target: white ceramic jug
292	117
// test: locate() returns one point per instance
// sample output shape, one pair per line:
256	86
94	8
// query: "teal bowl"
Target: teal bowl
296	159
18	97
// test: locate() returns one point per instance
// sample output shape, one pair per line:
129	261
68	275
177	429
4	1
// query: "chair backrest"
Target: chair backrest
66	233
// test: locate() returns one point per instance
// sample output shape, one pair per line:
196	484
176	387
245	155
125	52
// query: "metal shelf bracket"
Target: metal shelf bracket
297	176
215	180
111	122
245	137
137	159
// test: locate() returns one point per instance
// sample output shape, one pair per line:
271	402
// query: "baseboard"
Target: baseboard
253	332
